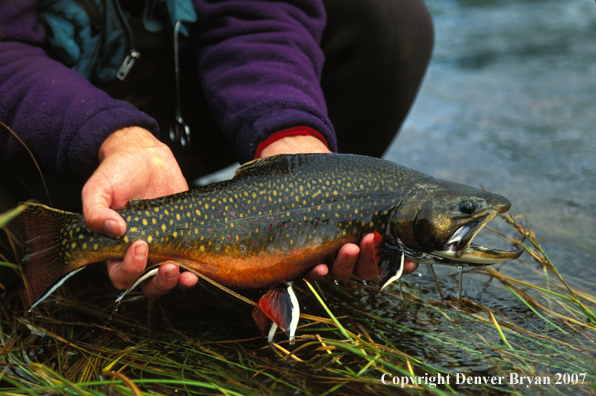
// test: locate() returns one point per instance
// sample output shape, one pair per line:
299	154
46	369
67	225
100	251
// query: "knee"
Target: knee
382	28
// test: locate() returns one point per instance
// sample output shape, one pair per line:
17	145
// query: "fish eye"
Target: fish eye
467	206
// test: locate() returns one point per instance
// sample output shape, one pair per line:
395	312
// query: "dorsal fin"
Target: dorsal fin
281	164
249	168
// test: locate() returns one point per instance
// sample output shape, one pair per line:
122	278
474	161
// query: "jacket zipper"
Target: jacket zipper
133	54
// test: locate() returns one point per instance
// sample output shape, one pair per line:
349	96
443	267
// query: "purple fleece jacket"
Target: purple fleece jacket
259	62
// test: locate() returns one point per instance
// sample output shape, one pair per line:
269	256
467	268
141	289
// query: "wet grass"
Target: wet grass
204	341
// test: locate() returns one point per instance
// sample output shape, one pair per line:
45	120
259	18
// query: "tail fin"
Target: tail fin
45	265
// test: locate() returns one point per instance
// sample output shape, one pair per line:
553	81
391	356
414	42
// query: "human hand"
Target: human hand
133	164
351	258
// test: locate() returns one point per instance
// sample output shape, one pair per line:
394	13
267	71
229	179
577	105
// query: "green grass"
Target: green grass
203	341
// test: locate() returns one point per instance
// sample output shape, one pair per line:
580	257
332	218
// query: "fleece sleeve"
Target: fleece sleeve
61	117
260	65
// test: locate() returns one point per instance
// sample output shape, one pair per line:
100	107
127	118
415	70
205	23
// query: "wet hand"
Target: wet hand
355	259
351	258
133	164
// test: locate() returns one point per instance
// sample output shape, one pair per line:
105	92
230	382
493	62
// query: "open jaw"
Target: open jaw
459	249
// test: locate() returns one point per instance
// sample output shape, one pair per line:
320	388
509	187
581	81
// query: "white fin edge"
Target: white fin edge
272	331
399	272
57	285
146	276
295	313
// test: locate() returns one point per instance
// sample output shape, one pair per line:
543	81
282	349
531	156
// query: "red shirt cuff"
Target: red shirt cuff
301	130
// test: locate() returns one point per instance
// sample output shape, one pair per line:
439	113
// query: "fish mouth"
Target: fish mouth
461	250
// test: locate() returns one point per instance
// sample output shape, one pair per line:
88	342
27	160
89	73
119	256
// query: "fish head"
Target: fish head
439	220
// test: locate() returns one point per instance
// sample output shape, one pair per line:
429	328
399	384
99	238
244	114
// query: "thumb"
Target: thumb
97	213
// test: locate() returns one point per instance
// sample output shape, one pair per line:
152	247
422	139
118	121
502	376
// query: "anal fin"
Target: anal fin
390	265
281	307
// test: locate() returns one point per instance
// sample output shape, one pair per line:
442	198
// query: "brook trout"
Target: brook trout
276	219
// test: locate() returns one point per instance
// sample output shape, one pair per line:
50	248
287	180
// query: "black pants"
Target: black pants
377	52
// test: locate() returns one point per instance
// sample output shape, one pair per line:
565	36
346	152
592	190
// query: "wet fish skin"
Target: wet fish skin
270	224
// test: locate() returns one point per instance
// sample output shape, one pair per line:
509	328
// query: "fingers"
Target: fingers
124	273
165	280
366	268
410	266
168	277
317	273
358	260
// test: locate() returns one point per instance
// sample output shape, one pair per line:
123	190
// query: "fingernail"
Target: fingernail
171	274
111	228
141	251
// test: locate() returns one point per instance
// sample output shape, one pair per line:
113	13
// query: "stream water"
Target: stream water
508	102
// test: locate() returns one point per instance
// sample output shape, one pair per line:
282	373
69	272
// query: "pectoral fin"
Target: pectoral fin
390	265
281	307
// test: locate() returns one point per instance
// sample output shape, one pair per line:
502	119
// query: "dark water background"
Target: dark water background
509	102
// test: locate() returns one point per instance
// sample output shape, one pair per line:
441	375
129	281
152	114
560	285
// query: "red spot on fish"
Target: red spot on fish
229	237
270	228
219	211
187	242
331	222
242	248
233	214
263	205
255	242
242	205
285	226
240	228
208	231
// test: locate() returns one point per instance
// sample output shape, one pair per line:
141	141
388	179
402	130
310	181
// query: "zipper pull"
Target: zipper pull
128	63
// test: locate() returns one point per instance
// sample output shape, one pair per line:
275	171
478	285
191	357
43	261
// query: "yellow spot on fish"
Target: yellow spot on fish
175	234
156	209
134	229
178	216
166	212
202	248
163	227
144	222
149	239
126	238
74	245
95	247
154	221
198	212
